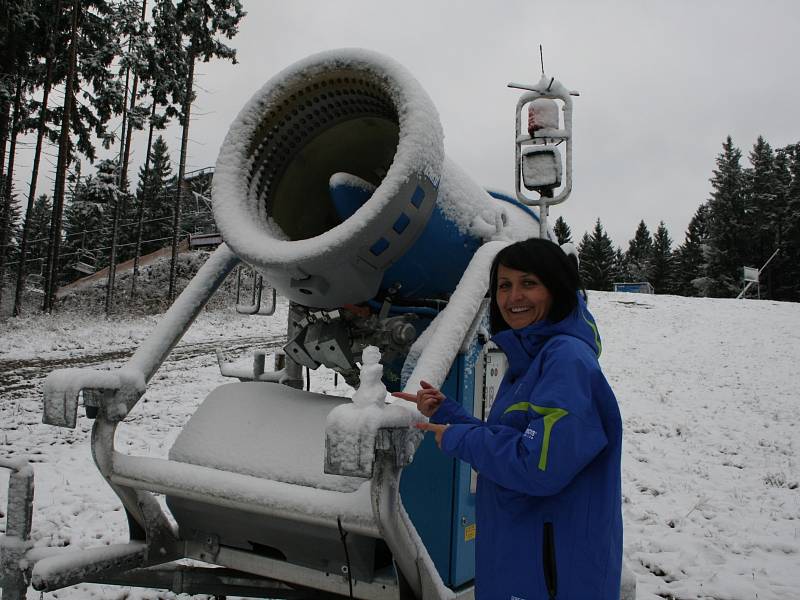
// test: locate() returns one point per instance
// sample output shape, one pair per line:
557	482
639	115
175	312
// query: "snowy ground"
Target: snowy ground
708	391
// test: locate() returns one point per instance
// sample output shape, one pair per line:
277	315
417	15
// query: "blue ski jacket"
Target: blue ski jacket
549	513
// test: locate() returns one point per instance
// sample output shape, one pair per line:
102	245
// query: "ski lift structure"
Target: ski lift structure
281	492
85	261
34	282
752	276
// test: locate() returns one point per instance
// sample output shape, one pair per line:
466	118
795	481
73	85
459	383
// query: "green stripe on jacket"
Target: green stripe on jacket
551	415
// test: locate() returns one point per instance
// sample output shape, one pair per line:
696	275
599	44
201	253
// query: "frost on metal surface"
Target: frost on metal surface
66	568
245	492
62	388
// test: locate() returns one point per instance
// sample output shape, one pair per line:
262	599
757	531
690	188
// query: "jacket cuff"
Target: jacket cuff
444	414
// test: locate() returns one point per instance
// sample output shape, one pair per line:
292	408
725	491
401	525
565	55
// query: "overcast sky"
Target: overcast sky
661	83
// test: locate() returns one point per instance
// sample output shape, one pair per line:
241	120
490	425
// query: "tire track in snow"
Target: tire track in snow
19	375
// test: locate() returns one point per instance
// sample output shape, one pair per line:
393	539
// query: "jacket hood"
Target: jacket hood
522	345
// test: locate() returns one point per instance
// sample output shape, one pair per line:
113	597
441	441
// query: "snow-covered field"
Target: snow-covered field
707	388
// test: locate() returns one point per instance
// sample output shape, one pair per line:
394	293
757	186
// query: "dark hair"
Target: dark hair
545	259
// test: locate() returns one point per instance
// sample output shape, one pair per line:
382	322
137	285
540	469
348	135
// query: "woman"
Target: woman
549	522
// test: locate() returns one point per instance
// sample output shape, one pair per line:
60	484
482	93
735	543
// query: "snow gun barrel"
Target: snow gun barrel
332	182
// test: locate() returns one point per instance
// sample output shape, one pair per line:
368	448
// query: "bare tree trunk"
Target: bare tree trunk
112	258
6	224
176	219
125	149
5	116
61	167
140	208
23	246
129	133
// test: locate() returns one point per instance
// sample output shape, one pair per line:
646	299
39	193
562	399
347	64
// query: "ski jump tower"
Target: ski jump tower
333	185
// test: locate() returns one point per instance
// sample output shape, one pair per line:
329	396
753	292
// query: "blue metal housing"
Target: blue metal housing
436	489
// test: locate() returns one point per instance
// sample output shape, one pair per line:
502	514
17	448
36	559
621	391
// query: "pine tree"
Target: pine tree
728	225
162	71
153	192
638	258
19	31
92	38
619	273
9	205
763	207
86	224
53	258
661	266
48	21
596	253
562	231
690	259
38	229
778	283
200	23
790	248
9	217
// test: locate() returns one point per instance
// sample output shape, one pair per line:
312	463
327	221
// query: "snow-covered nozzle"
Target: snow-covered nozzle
328	175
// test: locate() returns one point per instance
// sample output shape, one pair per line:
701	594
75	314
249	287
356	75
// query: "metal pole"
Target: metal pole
18	528
769	260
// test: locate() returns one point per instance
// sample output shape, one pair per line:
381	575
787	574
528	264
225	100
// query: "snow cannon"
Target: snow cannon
333	186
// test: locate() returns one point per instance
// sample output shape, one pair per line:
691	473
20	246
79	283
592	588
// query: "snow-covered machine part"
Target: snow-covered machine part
356	121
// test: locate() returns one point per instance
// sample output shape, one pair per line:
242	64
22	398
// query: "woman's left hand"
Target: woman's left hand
437	430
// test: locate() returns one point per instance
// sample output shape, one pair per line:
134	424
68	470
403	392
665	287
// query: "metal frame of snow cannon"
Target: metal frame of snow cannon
155	542
254	306
15	544
539	142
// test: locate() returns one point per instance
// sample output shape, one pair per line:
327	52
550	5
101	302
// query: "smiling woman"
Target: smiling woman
548	503
521	297
536	275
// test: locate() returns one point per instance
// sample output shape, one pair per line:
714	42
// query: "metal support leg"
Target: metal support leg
15	543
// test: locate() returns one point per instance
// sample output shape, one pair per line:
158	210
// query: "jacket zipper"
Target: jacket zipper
549	561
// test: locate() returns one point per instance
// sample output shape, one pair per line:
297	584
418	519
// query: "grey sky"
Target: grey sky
661	83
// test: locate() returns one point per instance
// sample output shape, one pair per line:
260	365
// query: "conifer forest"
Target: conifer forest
752	216
78	76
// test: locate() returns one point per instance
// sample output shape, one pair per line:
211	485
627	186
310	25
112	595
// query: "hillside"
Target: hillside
707	389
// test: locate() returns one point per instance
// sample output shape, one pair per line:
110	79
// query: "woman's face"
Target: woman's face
521	297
